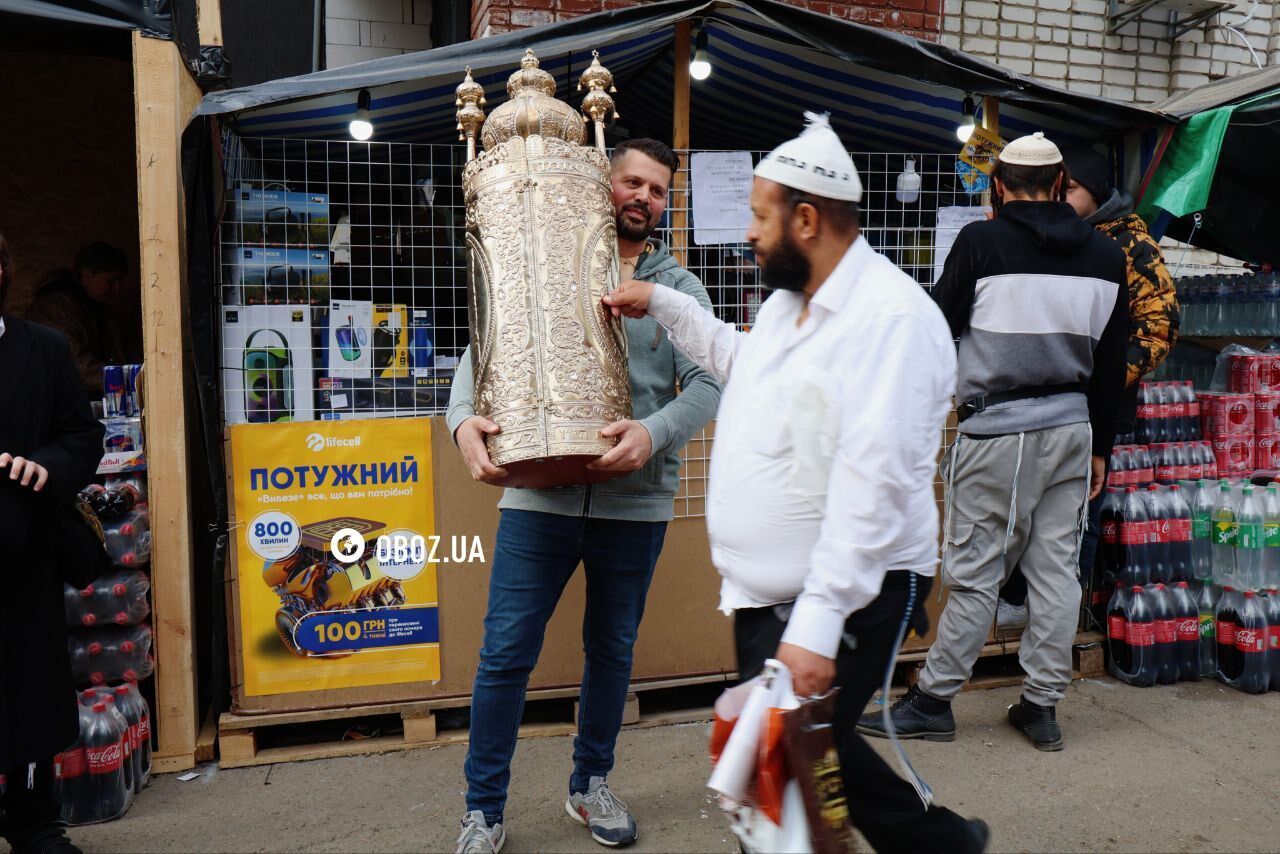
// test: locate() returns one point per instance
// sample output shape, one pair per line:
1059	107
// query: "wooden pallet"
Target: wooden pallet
245	739
1086	659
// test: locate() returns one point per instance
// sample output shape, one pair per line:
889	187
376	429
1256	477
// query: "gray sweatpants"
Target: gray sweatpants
1051	471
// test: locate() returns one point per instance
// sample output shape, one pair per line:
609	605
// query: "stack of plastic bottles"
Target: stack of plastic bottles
109	643
1197	583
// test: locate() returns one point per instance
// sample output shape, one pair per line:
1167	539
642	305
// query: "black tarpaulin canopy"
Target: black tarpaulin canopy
1221	167
771	61
151	16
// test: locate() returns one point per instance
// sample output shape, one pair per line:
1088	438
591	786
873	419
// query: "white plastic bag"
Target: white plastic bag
746	708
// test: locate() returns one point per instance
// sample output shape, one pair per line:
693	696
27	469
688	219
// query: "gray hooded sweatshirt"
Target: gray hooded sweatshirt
655	366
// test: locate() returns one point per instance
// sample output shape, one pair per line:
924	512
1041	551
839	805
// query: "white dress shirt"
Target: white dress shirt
826	441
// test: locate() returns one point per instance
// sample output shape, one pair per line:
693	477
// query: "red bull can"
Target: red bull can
113	400
132	402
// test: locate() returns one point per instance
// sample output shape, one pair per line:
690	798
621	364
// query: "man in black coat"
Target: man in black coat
50	446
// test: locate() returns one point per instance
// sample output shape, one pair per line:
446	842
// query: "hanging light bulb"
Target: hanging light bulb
361	128
700	67
965	130
909	183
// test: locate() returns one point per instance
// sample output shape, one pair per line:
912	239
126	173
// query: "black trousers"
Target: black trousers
882	805
25	812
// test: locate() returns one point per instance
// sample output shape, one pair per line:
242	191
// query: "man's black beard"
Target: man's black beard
629	231
787	269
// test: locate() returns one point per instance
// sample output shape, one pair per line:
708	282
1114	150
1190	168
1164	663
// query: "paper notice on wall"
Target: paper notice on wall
950	220
721	196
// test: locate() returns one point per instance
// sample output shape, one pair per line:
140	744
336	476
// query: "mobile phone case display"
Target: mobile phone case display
267	371
109	640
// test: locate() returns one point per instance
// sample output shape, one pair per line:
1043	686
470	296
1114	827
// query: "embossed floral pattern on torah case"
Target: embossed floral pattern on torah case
550	361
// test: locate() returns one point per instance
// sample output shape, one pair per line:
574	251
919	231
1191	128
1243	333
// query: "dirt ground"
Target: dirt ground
1192	767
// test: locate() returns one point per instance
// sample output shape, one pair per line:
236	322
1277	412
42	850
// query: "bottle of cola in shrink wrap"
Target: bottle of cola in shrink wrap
1187	615
104	753
1110	553
1120	657
1251	645
1142	638
117	599
1225	620
1134	531
1165	626
120	722
71	775
138	714
1158	532
1179	545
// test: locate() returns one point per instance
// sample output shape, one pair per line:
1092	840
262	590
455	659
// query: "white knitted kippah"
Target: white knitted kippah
1033	150
814	162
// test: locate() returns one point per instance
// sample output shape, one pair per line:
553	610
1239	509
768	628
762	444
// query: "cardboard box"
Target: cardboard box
390	341
279	217
275	276
350	344
267	371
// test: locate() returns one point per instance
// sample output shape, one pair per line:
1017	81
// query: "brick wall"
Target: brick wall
359	30
1065	42
920	18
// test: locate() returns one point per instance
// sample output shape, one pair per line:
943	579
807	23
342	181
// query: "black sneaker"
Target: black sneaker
916	715
48	840
979	835
1038	723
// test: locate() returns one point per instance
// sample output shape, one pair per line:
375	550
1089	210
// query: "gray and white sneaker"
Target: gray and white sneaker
603	814
477	837
1010	616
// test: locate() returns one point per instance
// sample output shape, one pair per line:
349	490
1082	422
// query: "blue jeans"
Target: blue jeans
535	556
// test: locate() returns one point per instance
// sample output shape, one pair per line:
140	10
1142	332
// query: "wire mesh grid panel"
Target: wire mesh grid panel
344	288
343	279
903	227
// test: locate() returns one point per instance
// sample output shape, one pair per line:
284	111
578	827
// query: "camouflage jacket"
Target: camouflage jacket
1153	303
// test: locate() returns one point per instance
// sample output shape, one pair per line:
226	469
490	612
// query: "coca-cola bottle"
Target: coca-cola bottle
1193	411
1141	637
1110	553
1134	531
1164	405
1209	461
1146	423
121	723
1179	539
1225	621
1251	645
1187	616
70	775
1115	468
1194	464
104	754
138	714
1157	534
1165	625
1163	457
1120	662
1273	636
1207	606
1144	469
1177	413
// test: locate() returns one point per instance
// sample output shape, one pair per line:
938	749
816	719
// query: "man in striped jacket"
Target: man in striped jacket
1038	301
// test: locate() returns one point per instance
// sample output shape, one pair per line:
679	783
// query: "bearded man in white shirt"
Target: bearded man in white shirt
820	509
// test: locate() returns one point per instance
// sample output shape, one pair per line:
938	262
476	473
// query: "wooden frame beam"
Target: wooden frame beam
209	21
164	97
680	142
